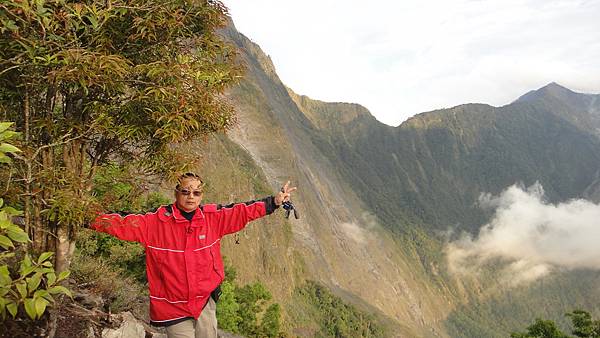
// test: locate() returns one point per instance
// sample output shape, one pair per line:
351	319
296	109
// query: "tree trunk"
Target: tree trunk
65	247
28	173
37	233
73	158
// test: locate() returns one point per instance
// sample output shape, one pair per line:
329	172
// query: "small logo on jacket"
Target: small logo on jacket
202	236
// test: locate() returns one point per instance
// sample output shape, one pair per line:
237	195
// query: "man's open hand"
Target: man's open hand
284	194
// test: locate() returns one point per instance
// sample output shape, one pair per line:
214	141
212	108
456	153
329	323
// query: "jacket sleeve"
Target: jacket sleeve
234	217
132	227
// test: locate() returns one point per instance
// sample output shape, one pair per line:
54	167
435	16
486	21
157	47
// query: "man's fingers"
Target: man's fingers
285	191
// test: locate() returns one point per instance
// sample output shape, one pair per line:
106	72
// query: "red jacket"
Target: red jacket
183	258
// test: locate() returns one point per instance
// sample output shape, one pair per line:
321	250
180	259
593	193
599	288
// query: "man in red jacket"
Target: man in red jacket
183	252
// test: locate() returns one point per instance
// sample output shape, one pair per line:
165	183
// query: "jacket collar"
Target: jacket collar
171	211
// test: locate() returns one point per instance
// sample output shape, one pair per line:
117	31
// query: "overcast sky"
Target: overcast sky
401	58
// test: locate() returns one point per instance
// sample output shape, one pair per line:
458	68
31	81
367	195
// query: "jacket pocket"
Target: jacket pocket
173	277
202	264
217	261
154	273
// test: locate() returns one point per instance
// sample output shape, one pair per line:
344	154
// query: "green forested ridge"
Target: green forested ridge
434	166
431	169
580	110
335	318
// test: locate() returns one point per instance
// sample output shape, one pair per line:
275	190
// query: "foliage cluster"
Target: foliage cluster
336	318
583	326
241	309
35	282
33	286
98	82
118	190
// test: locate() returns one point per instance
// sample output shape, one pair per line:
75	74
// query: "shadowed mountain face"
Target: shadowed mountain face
434	166
373	197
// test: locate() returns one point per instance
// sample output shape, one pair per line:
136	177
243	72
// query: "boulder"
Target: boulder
130	328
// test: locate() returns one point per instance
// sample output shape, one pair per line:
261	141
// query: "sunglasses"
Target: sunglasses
186	192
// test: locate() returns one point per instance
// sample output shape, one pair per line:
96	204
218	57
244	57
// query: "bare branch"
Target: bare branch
9	68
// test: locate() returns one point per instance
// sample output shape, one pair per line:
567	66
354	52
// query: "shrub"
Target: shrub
34	283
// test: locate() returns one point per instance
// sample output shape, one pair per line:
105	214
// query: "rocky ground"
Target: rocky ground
85	316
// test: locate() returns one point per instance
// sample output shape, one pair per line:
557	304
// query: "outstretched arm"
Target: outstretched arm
235	216
132	227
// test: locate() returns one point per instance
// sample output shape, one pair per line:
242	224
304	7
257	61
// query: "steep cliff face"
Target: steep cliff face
375	198
337	241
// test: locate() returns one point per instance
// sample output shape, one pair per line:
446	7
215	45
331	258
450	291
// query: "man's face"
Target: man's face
189	195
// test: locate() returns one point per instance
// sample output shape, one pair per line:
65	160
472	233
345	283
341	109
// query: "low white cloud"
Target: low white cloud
354	232
530	237
360	230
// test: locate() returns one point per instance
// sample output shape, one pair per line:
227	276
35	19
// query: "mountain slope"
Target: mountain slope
338	241
375	198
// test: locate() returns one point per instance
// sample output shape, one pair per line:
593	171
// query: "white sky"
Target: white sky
403	57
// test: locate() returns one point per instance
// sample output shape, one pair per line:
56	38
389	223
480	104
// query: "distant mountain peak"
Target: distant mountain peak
555	88
552	89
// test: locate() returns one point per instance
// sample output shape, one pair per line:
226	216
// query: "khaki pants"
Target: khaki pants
204	327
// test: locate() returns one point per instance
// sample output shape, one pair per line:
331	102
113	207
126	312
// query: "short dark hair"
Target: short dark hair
188	175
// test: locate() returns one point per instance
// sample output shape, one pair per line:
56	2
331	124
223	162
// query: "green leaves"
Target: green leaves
34	287
30	308
26	266
60	289
5	242
128	73
45	256
22	288
238	309
4	275
12	308
34	282
17	234
5	125
40	306
51	277
6	148
35	277
63	275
